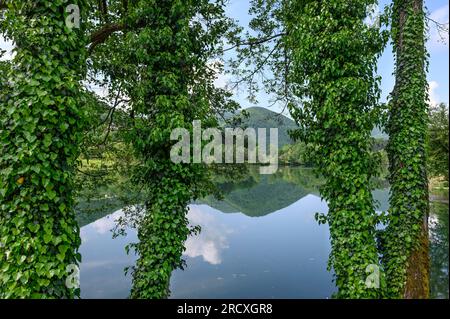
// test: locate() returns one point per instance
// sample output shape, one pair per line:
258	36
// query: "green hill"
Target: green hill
265	197
259	117
259	195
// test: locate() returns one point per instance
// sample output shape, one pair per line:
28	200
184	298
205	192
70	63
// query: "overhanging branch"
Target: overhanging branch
101	35
256	41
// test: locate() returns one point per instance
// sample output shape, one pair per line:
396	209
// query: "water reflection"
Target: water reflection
212	239
261	241
438	224
281	255
104	260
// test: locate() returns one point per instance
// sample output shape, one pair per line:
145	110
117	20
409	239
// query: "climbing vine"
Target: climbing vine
334	63
40	124
405	241
322	57
175	91
164	64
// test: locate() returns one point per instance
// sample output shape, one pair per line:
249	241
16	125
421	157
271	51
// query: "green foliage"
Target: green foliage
294	154
323	60
438	149
334	60
162	65
407	129
259	117
4	67
40	131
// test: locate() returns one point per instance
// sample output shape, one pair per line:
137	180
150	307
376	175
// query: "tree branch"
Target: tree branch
101	35
441	28
438	24
256	41
257	69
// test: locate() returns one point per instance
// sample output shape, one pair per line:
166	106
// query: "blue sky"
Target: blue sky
438	76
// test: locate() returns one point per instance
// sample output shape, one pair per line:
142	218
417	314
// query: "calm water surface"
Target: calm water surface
261	241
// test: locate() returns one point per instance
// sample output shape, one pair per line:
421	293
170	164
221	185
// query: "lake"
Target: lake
260	241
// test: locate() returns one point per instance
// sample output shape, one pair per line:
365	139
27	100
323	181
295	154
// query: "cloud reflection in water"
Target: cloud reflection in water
211	240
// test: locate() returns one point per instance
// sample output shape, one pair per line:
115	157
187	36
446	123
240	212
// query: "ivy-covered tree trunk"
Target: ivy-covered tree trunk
334	60
169	51
40	123
406	245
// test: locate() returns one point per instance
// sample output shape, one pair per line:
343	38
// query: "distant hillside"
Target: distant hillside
260	117
263	198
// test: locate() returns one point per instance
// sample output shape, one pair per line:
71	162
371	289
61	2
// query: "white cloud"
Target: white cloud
438	40
221	79
8	46
212	239
433	96
106	224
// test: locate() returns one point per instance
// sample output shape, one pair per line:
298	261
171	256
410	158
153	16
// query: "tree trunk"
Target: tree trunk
407	232
418	271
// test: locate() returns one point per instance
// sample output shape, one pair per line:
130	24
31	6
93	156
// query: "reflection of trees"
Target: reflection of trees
245	190
259	195
89	211
240	188
306	177
105	200
228	186
439	250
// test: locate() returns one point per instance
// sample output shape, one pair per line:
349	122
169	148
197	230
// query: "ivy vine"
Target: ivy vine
334	63
405	240
163	64
40	124
322	56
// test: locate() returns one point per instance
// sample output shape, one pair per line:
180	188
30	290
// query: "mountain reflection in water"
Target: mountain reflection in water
260	241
